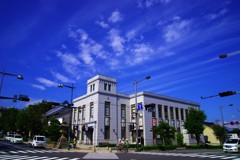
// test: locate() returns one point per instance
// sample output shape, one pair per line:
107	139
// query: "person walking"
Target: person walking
74	143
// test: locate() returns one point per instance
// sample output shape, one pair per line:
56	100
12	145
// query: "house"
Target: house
104	116
208	134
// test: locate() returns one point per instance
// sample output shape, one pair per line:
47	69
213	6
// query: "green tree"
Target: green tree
165	131
194	123
219	132
8	120
53	130
179	139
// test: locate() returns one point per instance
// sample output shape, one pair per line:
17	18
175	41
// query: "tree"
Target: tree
179	139
219	132
165	131
53	130
194	123
8	120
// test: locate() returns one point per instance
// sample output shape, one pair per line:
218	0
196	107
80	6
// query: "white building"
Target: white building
103	115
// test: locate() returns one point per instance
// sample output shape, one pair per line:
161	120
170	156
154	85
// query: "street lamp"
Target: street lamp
223	119
9	74
136	107
70	117
229	54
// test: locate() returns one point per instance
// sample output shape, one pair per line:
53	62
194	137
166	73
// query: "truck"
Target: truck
38	141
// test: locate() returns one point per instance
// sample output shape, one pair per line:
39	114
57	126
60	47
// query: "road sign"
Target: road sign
140	106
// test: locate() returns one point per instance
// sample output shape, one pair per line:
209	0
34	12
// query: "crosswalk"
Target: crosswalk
19	154
211	156
27	157
31	151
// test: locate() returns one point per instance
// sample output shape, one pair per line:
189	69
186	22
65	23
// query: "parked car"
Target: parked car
232	145
8	137
16	139
38	141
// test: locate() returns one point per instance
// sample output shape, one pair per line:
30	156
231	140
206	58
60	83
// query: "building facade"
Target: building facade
104	116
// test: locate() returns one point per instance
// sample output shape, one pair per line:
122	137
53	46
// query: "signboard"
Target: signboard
140	106
154	122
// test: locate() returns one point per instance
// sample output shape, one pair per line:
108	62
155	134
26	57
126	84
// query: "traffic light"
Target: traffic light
23	98
228	93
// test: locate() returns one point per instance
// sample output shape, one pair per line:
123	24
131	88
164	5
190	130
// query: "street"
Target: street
22	151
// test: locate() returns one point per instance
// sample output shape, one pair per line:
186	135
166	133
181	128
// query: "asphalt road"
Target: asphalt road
23	152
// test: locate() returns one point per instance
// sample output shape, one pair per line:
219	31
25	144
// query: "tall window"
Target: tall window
91	110
166	112
123	120
83	112
109	87
154	111
105	86
107	121
186	112
182	114
133	111
171	113
177	113
160	111
79	113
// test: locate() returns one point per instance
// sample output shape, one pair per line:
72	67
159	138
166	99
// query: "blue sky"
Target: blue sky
176	42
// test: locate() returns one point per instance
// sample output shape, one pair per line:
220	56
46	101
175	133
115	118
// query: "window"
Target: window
182	114
166	112
177	114
186	112
123	111
90	88
133	111
171	113
93	87
107	108
79	113
109	87
105	86
123	120
107	121
91	110
154	111
160	111
83	112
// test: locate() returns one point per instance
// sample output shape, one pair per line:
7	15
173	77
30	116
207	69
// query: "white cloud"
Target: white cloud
68	58
213	16
115	17
46	82
38	86
131	34
141	52
70	63
116	41
149	3
102	24
176	30
61	77
164	52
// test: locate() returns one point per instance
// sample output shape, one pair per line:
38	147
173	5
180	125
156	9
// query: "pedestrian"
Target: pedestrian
126	145
74	143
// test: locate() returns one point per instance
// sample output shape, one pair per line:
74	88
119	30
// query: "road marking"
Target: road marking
229	157
100	156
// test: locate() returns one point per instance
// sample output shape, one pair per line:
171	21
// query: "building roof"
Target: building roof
56	110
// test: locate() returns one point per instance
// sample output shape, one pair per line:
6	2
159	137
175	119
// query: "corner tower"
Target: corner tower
103	84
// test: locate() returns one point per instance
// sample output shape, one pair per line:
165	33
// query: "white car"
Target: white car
38	141
9	137
16	139
232	145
